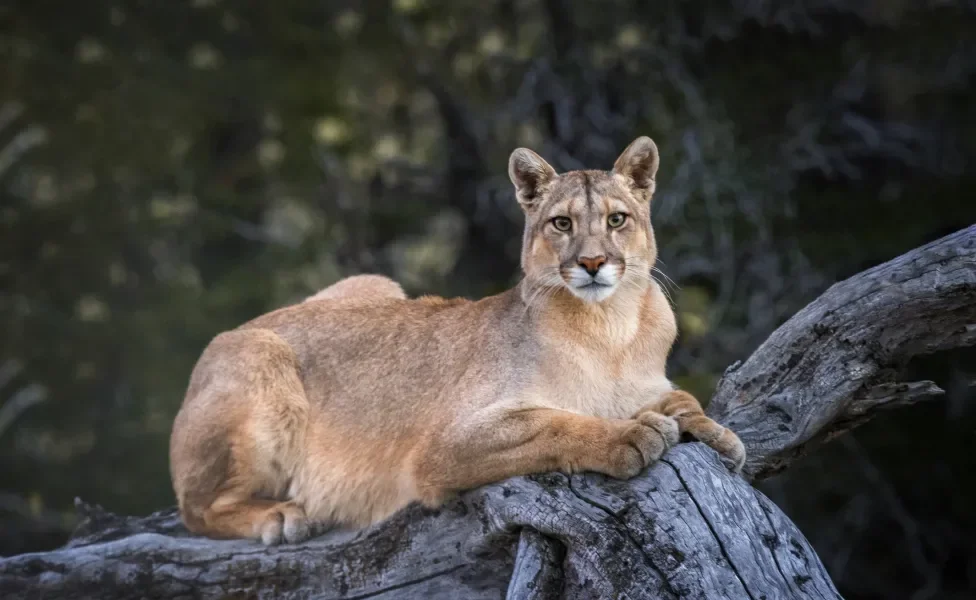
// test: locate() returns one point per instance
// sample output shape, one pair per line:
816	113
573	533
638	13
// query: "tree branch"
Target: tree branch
833	364
686	529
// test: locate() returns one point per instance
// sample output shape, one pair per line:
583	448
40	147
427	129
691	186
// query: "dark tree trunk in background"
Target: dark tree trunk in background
686	528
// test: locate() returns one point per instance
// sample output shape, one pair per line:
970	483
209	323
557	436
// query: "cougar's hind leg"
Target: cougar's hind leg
239	440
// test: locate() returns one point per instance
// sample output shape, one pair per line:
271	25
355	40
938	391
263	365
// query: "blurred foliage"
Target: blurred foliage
171	169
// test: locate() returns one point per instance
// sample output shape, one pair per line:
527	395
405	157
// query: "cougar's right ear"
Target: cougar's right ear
531	176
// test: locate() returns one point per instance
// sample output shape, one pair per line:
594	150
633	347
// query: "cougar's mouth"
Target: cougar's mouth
591	288
593	291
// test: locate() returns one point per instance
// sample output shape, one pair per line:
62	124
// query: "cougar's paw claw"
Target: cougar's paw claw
638	446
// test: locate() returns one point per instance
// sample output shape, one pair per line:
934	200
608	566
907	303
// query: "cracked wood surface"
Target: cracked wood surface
686	528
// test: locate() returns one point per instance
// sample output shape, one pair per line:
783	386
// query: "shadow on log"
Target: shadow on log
686	528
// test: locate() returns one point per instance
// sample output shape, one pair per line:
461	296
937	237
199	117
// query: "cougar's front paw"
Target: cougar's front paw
286	522
638	446
666	426
731	451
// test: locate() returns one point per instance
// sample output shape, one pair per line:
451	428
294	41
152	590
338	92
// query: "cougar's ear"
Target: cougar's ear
639	163
531	176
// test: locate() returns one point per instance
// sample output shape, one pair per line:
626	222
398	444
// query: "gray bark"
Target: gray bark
836	362
686	528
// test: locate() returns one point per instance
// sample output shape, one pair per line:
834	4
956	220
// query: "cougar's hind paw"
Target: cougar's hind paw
286	523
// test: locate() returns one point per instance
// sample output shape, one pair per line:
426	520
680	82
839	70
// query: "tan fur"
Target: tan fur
347	407
361	286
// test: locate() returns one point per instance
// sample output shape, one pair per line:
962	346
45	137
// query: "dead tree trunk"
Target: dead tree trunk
686	528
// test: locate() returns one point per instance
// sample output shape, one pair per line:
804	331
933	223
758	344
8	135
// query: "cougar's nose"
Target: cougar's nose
592	265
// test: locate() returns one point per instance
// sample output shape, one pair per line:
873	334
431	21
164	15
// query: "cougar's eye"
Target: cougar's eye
562	223
616	220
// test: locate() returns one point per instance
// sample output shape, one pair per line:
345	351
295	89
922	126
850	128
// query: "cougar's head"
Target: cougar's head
587	231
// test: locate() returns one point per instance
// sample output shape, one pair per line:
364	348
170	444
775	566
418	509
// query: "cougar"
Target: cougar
344	408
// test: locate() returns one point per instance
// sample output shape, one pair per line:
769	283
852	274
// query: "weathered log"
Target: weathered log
686	528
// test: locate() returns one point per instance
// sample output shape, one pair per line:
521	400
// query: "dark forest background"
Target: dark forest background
170	169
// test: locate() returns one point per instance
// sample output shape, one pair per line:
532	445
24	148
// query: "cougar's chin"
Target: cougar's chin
593	288
592	292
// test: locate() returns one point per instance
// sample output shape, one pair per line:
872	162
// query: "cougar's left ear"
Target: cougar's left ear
639	163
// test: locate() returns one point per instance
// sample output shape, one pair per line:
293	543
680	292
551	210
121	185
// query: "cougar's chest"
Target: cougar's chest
605	384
